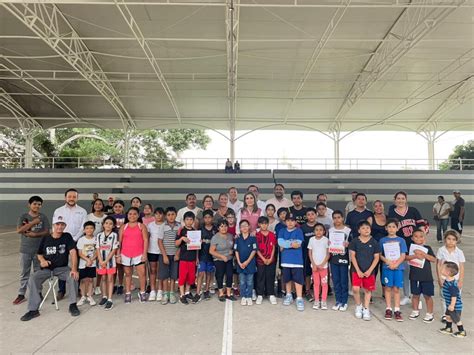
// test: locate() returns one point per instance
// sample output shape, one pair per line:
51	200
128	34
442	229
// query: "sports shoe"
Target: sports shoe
259	300
212	290
300	304
273	300
309	297
103	301
74	310
207	295
358	311
404	301
343	308
254	295
446	330
141	297
388	314
414	315
109	305
443	319
172	298
324	306
19	299
222	298
462	334
128	298
336	307
288	300
183	299
243	301
152	296
189	296
366	314
30	315
249	302
165	299
82	301
316	305
428	318
159	296
97	291
236	292
231	298
196	298
119	290
91	301
398	316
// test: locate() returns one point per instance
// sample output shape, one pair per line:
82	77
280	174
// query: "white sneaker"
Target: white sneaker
254	295
366	314
259	300
428	318
414	315
159	295
404	301
249	302
82	301
316	305
343	308
152	296
97	291
358	311
324	306
91	301
243	301
273	299
336	307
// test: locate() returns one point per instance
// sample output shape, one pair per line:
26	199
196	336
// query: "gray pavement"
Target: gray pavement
212	327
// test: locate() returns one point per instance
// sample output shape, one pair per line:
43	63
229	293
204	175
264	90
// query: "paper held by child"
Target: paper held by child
336	244
419	263
391	251
194	240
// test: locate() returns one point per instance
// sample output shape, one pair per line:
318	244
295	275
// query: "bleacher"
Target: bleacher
169	187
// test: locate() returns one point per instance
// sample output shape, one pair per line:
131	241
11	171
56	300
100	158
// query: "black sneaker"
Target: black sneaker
196	298
120	290
19	299
446	330
207	295
114	291
74	310
189	296
183	299
103	301
231	298
30	315
222	298
459	334
108	305
309	297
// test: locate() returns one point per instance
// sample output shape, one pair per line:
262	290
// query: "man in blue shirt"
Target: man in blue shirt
360	213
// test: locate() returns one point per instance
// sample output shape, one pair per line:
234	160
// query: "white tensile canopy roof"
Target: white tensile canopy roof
326	65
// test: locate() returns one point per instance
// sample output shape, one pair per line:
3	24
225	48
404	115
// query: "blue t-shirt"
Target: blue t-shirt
354	217
245	247
280	226
291	257
403	249
451	289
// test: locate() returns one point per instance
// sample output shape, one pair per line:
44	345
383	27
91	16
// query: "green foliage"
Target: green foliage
463	151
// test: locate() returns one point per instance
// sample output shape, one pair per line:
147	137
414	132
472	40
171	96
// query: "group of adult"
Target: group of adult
232	169
443	211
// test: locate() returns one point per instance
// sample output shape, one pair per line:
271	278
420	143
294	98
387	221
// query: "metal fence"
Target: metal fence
246	163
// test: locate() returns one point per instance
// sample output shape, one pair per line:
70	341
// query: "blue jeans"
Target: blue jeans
246	285
340	280
441	227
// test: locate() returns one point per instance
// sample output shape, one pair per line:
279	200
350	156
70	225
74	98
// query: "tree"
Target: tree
90	147
463	151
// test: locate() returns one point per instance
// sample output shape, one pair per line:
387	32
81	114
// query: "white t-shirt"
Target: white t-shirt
97	221
440	209
74	218
156	231
457	256
326	220
237	206
319	249
87	247
182	211
105	245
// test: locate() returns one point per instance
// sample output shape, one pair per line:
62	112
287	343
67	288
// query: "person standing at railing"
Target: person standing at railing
441	211
458	210
279	201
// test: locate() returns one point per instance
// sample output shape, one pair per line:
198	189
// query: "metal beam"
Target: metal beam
25	121
47	21
133	25
409	28
330	28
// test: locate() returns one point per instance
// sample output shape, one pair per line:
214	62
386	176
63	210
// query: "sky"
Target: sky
390	147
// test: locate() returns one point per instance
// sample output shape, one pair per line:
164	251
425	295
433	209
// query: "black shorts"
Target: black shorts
422	287
295	274
455	315
152	258
88	272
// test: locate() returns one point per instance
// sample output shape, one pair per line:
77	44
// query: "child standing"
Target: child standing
188	259
206	266
365	255
308	233
319	256
106	246
394	249
119	216
270	214
339	260
148	216
87	256
290	240
281	214
245	248
168	266
421	278
452	298
155	230
266	263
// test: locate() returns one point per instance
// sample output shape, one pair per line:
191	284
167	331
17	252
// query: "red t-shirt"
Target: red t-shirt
232	230
265	245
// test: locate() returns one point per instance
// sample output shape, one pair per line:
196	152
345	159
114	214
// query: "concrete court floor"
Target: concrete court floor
213	327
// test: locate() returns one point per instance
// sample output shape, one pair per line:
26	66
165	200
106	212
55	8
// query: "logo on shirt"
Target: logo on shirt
62	248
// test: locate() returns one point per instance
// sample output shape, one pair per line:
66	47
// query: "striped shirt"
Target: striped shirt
169	237
451	289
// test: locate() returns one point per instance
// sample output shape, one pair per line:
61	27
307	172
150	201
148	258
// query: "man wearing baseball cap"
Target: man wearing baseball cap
53	254
457	214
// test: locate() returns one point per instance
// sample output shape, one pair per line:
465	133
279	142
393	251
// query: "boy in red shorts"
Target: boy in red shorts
365	254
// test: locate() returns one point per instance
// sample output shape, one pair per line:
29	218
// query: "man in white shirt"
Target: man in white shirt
74	216
322	197
351	204
190	206
260	204
234	202
279	200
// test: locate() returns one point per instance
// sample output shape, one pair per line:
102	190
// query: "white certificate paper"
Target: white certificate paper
336	243
391	251
194	240
417	262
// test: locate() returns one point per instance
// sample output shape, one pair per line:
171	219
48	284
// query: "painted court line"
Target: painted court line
3	233
227	332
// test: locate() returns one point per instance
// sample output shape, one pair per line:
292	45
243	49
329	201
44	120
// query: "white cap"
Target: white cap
58	219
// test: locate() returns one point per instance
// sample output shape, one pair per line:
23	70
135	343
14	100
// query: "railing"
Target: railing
247	163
